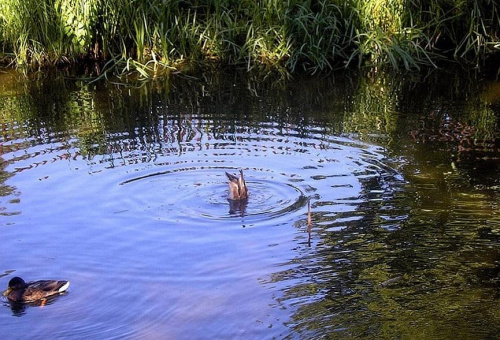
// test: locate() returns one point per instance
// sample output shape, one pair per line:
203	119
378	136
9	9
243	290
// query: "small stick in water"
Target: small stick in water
309	222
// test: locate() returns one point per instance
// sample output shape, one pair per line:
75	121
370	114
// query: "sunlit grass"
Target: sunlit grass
287	35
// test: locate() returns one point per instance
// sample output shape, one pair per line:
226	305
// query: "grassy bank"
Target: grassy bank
154	36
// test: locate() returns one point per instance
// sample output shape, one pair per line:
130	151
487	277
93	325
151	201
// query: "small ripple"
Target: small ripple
200	193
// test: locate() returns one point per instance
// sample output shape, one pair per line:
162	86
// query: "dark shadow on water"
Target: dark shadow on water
21	308
237	207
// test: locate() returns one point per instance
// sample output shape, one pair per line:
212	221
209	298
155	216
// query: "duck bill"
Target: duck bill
7	292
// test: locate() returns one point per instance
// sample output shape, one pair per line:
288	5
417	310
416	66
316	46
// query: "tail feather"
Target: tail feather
64	287
237	186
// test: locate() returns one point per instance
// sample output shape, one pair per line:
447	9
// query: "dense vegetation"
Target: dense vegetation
153	36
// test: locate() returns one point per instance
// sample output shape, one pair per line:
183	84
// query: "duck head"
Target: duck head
14	284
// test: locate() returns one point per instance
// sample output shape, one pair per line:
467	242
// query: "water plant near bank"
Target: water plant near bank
150	37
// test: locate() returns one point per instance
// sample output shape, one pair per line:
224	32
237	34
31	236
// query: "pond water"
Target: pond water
122	191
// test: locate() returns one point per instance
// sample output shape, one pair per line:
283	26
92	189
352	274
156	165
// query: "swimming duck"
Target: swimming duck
237	187
20	291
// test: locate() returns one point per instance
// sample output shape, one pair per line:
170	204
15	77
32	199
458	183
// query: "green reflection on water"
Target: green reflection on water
432	274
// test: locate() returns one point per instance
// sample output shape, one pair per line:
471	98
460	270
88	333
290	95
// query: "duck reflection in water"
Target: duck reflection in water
21	308
238	193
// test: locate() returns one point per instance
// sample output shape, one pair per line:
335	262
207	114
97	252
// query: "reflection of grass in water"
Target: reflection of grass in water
5	190
372	108
435	276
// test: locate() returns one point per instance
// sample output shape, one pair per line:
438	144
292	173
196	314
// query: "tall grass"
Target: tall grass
151	36
468	30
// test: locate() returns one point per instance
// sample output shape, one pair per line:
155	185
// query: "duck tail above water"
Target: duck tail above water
238	189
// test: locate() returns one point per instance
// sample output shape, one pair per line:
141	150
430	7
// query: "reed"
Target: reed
467	30
150	37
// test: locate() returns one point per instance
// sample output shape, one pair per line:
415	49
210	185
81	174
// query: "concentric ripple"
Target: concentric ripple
201	193
144	211
187	185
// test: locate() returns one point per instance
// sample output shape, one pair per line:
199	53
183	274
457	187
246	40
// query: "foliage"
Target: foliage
149	37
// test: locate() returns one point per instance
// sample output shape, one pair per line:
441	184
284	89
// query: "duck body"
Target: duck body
21	291
237	187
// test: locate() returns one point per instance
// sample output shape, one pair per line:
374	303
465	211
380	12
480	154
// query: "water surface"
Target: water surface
122	191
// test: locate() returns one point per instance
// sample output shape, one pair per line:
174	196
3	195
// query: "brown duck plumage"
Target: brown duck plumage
20	291
237	187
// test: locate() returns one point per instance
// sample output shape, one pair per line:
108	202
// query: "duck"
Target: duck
20	291
237	187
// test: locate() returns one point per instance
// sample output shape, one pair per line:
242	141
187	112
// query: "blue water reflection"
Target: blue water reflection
124	193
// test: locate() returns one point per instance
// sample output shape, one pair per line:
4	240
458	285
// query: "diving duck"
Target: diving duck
237	187
20	291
